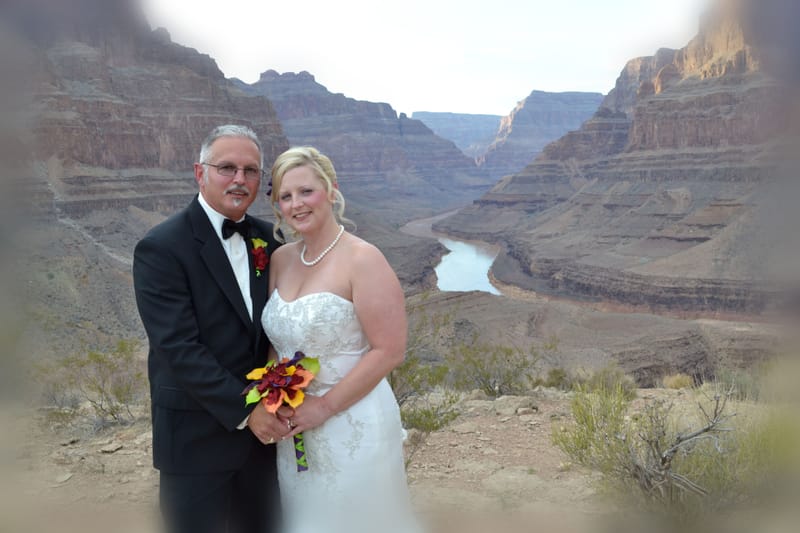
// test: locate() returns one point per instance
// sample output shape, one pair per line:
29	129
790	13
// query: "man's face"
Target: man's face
229	195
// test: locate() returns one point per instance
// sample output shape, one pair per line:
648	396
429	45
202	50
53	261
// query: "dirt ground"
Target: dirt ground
495	459
493	469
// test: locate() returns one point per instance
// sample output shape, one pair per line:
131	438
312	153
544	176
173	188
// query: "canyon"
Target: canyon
536	121
472	134
390	163
645	236
505	145
653	205
663	200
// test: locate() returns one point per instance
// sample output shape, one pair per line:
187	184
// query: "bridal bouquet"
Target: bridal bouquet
283	382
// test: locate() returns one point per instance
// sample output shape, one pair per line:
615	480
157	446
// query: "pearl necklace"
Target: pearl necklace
324	252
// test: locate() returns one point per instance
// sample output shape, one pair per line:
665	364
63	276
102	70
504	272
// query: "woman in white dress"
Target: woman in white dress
334	296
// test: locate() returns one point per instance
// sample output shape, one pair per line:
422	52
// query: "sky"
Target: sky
462	56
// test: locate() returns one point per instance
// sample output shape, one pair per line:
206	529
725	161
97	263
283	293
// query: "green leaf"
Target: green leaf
252	397
311	364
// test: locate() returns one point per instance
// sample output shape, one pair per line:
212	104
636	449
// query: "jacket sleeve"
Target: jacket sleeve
164	299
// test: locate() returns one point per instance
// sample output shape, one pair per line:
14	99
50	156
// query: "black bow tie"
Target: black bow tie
229	227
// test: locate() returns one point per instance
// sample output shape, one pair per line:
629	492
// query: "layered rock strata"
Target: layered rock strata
537	120
386	162
661	200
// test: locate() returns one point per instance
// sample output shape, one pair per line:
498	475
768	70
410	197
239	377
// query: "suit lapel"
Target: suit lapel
217	262
258	284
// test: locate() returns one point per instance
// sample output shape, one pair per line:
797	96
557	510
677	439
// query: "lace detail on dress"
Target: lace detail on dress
356	480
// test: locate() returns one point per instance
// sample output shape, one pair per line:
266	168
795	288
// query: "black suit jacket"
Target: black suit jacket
202	342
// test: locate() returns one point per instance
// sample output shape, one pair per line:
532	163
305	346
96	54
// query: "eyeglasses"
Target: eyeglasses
229	171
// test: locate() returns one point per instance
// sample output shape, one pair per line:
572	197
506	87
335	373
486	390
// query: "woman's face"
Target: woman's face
303	201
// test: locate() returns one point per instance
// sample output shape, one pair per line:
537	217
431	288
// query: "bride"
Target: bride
335	297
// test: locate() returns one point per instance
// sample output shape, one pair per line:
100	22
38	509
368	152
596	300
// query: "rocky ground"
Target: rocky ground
495	461
493	469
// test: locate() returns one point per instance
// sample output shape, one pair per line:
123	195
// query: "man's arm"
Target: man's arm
164	300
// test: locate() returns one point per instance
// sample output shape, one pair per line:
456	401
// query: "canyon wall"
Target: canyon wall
471	133
113	118
387	162
661	200
537	120
116	117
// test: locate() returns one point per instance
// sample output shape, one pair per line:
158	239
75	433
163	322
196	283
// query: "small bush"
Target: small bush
557	378
598	418
414	382
745	384
430	413
610	378
414	377
110	382
496	370
677	381
677	466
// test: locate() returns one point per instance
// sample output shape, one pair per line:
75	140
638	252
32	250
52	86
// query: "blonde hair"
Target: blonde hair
320	164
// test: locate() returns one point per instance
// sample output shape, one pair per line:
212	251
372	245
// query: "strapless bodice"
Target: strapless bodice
320	324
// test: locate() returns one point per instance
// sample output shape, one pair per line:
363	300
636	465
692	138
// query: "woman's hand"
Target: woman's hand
313	412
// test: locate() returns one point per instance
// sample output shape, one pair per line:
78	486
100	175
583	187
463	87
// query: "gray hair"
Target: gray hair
230	130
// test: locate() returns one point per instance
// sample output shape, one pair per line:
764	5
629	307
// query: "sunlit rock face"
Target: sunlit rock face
665	197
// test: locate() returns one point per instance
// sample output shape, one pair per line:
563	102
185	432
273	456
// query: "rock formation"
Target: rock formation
471	133
118	114
117	117
661	199
537	120
388	163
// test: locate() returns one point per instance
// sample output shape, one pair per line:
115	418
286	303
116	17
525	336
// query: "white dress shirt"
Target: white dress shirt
236	250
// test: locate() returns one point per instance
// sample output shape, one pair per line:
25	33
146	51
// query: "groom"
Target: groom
200	291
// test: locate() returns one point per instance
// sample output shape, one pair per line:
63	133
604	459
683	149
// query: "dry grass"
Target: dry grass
677	381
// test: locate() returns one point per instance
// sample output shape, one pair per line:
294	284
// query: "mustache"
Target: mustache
238	188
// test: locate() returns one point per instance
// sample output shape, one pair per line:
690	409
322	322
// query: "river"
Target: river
466	266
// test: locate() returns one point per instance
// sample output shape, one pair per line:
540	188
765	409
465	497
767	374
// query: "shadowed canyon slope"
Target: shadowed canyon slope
386	162
663	198
537	120
471	133
514	140
119	112
118	116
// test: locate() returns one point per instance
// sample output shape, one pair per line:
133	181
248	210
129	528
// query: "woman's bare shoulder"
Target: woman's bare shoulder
285	251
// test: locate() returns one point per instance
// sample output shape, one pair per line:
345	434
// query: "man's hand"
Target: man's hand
266	426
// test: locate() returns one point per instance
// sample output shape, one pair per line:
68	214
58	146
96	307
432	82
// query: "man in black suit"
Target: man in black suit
200	292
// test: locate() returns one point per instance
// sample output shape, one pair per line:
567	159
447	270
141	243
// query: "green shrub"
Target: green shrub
678	466
745	384
557	378
430	413
496	370
744	464
610	378
599	416
415	377
110	382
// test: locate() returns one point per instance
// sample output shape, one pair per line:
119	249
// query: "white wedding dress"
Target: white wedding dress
356	481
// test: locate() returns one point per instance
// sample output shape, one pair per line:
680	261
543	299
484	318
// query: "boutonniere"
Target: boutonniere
260	257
